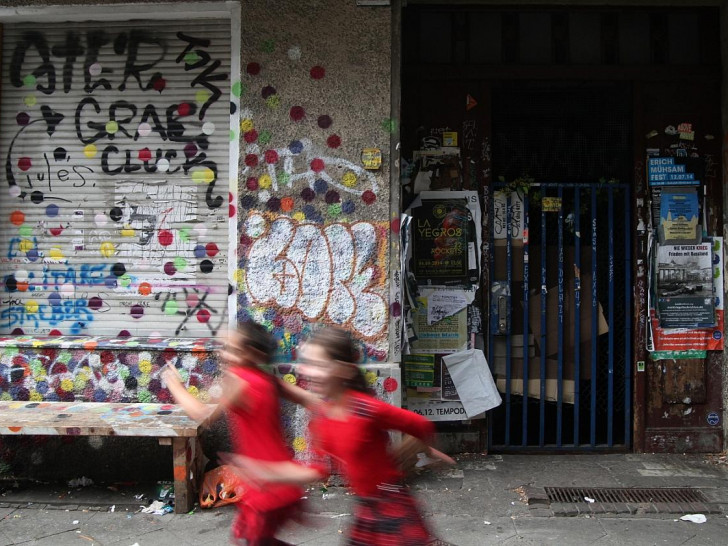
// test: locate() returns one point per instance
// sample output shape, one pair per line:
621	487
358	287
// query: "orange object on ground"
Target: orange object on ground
220	486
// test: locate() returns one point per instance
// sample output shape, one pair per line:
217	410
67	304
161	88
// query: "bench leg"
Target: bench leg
187	465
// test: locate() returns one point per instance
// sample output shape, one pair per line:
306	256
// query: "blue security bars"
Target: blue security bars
560	261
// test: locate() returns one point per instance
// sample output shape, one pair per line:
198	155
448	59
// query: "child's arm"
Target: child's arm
297	395
233	390
282	472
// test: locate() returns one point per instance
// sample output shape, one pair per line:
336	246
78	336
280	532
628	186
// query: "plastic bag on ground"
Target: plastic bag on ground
221	486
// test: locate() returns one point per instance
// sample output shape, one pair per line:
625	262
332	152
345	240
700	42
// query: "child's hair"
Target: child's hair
339	345
257	337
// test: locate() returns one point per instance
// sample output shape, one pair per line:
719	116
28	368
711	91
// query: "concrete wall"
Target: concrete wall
313	225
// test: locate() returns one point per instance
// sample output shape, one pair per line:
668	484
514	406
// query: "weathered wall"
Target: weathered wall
724	104
313	223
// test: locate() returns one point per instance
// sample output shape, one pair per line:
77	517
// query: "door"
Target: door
559	339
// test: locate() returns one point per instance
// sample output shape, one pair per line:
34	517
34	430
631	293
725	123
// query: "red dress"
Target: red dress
256	433
385	513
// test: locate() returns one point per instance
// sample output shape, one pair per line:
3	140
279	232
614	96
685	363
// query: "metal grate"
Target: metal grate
625	494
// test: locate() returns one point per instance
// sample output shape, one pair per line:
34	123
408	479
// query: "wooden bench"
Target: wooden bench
167	422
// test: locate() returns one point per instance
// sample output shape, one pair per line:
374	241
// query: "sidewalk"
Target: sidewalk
483	501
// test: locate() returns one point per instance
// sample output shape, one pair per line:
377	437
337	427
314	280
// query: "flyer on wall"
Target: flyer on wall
691	339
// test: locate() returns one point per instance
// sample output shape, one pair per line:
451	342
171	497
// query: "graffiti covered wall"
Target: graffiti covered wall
313	222
115	142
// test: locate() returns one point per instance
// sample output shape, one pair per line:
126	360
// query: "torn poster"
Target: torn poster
473	380
445	303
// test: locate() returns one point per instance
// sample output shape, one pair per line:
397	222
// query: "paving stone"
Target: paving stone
564	509
540	512
535	495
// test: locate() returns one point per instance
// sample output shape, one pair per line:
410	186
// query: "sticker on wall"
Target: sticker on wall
371	158
470	103
551	204
713	418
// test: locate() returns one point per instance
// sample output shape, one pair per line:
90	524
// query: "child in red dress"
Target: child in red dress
352	427
250	399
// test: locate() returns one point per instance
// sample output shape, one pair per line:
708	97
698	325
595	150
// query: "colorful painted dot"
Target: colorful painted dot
184	108
370	378
237	89
284	178
273	102
191	58
265	181
90	150
263	196
190	150
145	154
267	91
251	160
144	129
30	101
107	249
390	384
324	121
297	113
30	80
287	204
17	217
14	191
169	269
299	216
95	69
203	316
233	135
25	231
184	234
307	194
162	165
24	163
112	127
332	196
211	249
250	136
348	207
299	444
334	141
264	137
22	118
251	183
171	307
136	311
246	125
180	264
294	53
317	72
159	83
145	288
334	209
31	306
253	69
205	175
389	125
201	97
165	237
208	128
349	179
317	165
271	156
274	204
368	197
199	251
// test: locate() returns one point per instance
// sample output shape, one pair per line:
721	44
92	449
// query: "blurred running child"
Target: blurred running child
250	399
352	427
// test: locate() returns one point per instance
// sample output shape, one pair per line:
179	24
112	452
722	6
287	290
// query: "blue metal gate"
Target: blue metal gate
559	337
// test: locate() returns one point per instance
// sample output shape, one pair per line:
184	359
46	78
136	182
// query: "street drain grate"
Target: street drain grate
625	494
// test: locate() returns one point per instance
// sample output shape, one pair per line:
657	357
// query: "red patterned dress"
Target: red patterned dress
256	433
385	514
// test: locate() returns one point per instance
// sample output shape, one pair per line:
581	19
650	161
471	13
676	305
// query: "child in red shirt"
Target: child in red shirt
250	399
352	427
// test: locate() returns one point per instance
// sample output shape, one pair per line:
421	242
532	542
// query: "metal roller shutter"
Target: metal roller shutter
115	140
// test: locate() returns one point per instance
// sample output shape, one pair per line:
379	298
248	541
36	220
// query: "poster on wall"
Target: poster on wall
419	370
440	241
680	340
501	211
449	335
679	213
684	286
